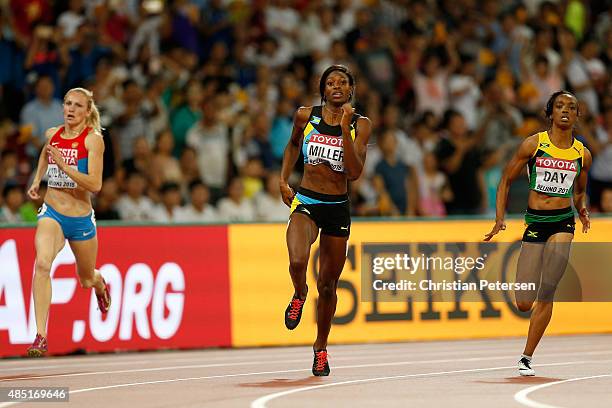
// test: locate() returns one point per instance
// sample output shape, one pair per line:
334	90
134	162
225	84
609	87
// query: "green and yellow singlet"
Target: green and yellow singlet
552	170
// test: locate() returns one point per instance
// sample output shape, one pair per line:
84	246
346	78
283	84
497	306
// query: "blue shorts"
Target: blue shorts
74	228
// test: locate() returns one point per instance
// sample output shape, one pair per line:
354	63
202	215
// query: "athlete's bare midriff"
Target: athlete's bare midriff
67	201
541	201
322	179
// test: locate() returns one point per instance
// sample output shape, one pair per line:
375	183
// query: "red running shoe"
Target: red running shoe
39	347
320	365
293	313
104	301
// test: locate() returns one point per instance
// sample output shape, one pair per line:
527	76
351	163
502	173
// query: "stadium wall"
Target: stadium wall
222	286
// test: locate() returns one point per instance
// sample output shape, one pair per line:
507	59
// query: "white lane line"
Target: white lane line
301	361
173	380
262	401
460	346
522	396
484	344
340	353
344	355
64	362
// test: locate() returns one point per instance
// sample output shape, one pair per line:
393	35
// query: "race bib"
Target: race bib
58	178
555	176
326	149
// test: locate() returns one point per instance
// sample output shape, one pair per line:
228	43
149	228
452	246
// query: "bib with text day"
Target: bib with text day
555	175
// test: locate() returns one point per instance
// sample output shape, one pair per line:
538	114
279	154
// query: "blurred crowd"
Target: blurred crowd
197	97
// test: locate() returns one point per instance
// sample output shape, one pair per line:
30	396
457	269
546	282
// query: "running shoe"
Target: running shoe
39	347
104	301
320	365
293	313
524	367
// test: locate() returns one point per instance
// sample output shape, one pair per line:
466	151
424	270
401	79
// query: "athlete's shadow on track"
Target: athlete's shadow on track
283	382
520	380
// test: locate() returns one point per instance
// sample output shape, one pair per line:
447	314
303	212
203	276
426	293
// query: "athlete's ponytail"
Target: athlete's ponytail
93	118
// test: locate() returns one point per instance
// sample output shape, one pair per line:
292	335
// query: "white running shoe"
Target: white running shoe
524	368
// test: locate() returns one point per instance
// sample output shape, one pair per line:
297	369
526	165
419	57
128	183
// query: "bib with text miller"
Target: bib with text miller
326	149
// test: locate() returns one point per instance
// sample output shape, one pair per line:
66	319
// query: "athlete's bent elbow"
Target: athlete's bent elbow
96	188
352	176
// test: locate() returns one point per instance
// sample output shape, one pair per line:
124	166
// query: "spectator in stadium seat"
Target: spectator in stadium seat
235	207
187	115
106	200
269	204
497	119
461	158
189	165
170	207
435	190
133	205
198	209
400	180
601	148
605	204
84	56
576	70
210	139
131	122
165	167
431	84
12	195
465	92
41	113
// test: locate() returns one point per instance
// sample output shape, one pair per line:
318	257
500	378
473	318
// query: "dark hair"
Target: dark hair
541	59
43	76
10	186
196	183
449	115
551	101
340	68
169	186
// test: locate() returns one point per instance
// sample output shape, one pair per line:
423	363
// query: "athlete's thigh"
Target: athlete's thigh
332	256
528	269
555	257
302	232
49	239
85	254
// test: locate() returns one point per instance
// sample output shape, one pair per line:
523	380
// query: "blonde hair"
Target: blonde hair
93	119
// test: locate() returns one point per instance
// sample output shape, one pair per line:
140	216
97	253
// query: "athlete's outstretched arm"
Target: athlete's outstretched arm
93	180
292	152
354	152
580	191
511	172
41	169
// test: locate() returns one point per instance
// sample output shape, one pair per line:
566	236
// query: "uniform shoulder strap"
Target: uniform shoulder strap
58	132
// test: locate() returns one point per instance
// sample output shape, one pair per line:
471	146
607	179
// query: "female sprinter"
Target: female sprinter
557	167
72	160
333	140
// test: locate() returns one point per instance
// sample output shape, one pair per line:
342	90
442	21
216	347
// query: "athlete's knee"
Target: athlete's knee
43	266
327	289
524	305
547	293
298	263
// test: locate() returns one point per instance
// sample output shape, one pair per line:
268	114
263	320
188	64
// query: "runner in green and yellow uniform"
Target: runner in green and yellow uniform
557	167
